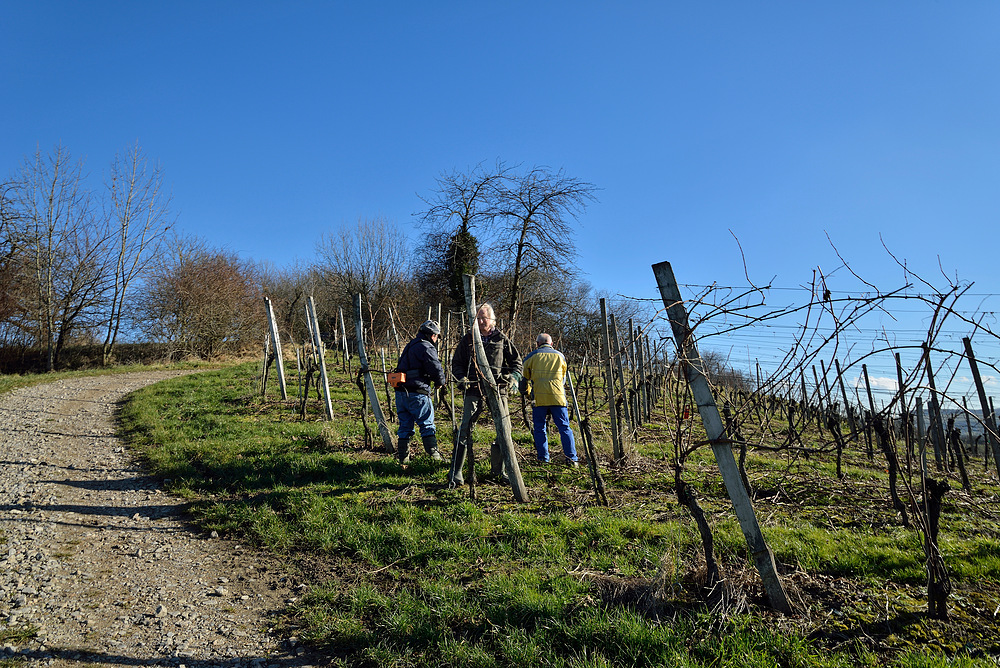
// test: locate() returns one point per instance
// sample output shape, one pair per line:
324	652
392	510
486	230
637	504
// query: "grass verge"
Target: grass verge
405	572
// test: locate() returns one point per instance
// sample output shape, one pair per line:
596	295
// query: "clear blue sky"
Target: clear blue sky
776	122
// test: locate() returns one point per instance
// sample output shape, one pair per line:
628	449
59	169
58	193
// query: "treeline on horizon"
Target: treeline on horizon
90	264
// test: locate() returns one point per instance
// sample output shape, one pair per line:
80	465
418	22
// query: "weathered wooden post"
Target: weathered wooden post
989	424
620	368
366	373
318	345
609	384
692	364
343	336
395	334
501	415
276	339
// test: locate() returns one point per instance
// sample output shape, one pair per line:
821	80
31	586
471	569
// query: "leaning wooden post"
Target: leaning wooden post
343	336
989	423
501	416
383	430
609	384
273	327
318	346
692	364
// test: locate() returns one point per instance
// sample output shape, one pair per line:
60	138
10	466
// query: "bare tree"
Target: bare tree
461	204
371	258
11	273
138	211
63	243
535	231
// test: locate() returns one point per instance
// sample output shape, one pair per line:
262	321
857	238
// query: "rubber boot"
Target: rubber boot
403	451
431	446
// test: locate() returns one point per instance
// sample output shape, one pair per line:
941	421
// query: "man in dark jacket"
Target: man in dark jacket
414	403
505	362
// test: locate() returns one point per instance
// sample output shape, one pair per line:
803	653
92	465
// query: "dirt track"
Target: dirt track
97	558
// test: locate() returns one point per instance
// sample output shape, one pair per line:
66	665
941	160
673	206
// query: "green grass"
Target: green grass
432	578
17	634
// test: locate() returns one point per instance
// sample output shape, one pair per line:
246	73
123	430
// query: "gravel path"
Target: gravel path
98	559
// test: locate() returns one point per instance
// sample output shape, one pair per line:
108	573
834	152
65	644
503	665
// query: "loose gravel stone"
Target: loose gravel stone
98	561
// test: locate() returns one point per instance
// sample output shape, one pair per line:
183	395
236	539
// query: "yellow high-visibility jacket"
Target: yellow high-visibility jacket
545	368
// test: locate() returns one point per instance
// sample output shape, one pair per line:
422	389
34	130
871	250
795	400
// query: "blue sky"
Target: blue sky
777	123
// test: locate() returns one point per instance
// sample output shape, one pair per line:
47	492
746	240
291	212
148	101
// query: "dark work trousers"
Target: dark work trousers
472	407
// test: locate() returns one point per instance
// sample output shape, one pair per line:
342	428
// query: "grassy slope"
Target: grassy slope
407	572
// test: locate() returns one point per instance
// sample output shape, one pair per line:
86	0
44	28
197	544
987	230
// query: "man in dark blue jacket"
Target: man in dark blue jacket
414	402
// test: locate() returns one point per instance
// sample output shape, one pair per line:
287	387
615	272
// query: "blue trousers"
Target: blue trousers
413	407
560	416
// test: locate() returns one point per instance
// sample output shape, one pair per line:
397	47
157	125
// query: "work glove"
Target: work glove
522	385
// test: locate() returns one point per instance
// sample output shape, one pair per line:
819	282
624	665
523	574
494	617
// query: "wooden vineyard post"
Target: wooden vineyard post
395	334
343	335
366	373
273	328
609	384
501	415
318	347
989	424
692	365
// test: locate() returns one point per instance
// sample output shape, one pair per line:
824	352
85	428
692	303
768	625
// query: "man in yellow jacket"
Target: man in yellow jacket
545	370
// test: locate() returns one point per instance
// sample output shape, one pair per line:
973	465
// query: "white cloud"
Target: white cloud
877	383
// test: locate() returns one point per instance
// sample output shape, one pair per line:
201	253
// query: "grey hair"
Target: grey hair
489	310
543	339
